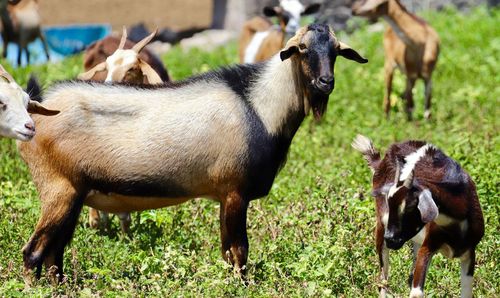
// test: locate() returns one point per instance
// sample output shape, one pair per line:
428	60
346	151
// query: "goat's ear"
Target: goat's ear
313	8
271	11
149	73
34	107
90	74
348	53
428	209
288	52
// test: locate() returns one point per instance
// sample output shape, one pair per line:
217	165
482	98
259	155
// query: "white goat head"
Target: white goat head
125	64
289	13
15	104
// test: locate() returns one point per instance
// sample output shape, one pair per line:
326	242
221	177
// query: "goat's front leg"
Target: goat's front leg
410	82
422	263
61	206
383	257
233	220
468	262
415	249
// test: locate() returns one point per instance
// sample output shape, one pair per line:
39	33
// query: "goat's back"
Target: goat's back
111	133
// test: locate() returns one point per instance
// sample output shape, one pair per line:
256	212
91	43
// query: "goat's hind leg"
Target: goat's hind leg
410	105
61	206
428	97
233	228
389	73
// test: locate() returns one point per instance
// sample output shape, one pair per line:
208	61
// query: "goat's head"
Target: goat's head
409	208
313	50
125	64
370	8
289	13
15	104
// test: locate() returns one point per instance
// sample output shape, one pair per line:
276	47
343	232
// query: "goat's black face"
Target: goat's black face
316	49
404	219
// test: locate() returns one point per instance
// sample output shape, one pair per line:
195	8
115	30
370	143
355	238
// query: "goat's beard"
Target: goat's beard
318	102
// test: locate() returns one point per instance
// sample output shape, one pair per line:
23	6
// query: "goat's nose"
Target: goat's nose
326	80
30	125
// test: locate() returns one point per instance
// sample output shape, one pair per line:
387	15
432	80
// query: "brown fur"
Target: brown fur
459	226
209	136
415	55
254	25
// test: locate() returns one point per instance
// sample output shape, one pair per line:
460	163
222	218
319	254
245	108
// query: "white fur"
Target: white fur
411	161
14	118
419	238
466	280
124	59
294	8
254	45
268	98
363	144
385	219
416	293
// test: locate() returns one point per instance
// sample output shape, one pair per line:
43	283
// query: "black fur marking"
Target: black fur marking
141	187
267	154
33	89
238	77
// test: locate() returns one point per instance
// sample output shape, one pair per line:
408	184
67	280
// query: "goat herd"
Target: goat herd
151	143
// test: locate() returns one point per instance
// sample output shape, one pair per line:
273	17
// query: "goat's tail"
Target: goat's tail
365	146
33	89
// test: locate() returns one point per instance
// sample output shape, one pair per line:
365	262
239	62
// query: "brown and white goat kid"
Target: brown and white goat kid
260	40
21	24
124	65
126	62
15	104
222	135
410	44
424	196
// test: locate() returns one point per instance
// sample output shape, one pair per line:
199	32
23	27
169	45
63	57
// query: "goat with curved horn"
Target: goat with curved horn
141	44
124	39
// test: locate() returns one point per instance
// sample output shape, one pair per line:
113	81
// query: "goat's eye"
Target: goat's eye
2	103
302	46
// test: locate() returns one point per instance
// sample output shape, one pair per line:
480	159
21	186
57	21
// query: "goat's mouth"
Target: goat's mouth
24	135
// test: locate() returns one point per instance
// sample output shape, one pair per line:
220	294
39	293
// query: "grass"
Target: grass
313	234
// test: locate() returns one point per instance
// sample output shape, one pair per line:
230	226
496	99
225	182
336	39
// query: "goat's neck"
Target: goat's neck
405	25
278	97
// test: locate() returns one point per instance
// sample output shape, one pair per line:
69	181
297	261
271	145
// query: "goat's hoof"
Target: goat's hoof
427	114
54	275
28	277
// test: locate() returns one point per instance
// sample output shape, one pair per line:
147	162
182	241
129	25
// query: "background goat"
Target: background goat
222	135
259	40
131	65
429	200
410	44
126	63
15	104
21	25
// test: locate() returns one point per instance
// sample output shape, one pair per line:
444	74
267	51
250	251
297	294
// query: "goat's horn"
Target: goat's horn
124	39
141	44
409	180
398	172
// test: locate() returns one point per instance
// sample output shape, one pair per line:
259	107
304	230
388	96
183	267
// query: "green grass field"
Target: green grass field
313	234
